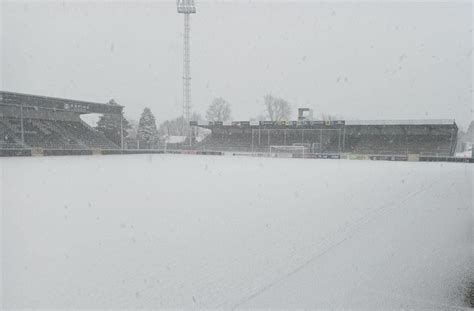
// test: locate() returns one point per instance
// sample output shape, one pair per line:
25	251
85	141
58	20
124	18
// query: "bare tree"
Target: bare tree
277	109
177	126
260	117
219	110
329	117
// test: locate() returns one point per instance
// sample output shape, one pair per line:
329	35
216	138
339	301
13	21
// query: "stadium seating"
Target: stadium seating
392	139
222	142
7	137
328	141
50	123
52	134
399	144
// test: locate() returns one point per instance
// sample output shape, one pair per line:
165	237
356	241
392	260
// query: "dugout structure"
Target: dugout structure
49	123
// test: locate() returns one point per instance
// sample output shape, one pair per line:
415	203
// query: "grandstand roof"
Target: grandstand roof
326	124
402	122
268	124
53	103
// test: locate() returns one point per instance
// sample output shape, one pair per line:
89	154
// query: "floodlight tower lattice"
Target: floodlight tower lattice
186	7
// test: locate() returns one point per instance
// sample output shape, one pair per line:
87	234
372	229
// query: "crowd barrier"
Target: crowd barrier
388	157
60	152
317	156
15	152
74	152
445	159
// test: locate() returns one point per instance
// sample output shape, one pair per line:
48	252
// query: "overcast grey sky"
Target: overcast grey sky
358	60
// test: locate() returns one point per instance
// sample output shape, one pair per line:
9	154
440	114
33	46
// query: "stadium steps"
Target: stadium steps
7	129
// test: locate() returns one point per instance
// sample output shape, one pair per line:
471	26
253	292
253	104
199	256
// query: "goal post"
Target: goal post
295	151
317	141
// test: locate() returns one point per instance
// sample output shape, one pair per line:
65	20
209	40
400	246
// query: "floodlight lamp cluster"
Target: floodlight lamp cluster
186	6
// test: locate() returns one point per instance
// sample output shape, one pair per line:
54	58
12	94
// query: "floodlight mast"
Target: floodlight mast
186	7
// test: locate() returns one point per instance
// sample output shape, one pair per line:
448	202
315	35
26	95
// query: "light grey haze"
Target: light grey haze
357	60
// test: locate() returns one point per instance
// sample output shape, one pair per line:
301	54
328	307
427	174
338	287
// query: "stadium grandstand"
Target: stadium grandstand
45	124
31	121
407	137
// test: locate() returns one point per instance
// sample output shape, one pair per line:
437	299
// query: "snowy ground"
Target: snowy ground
206	231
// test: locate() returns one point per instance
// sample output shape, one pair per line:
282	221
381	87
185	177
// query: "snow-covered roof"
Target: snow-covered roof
401	122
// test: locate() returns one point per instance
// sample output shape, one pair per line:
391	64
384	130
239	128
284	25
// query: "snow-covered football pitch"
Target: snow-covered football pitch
184	231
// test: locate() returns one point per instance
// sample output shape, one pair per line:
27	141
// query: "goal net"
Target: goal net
316	148
297	151
318	141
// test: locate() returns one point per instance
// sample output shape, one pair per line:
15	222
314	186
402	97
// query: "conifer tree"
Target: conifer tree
147	132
